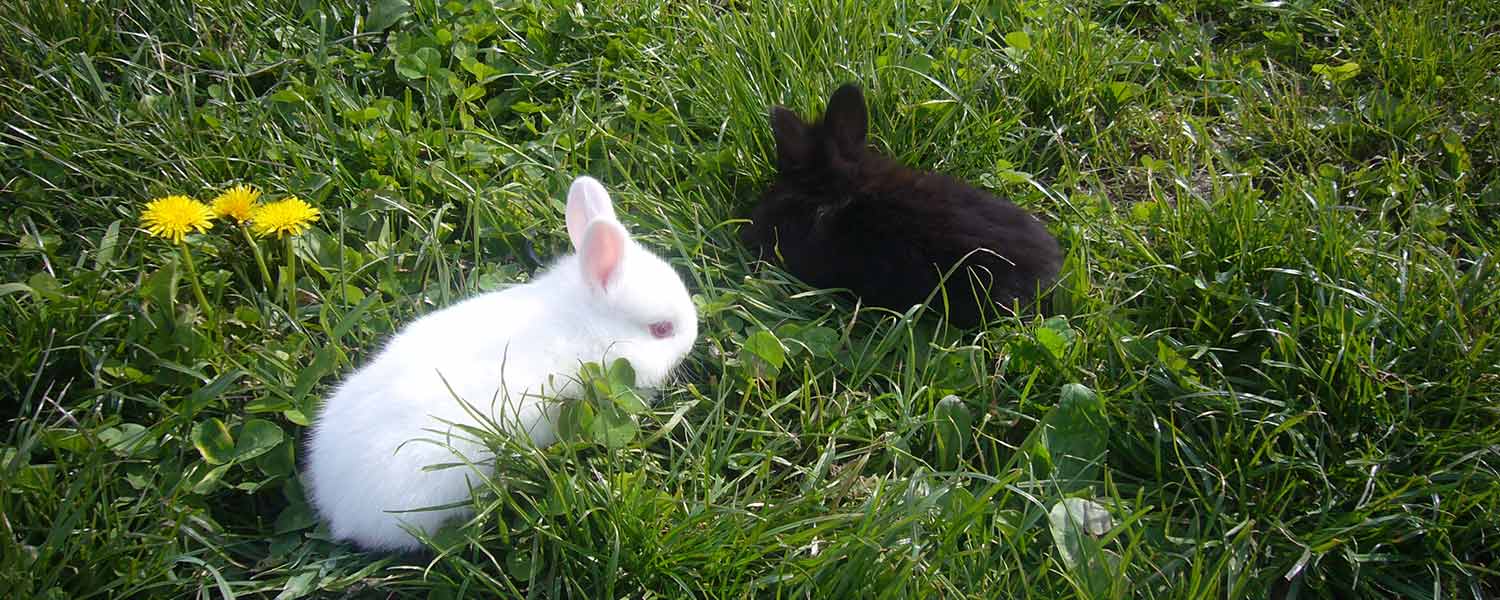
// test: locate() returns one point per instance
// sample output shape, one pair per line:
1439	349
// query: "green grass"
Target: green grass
1274	365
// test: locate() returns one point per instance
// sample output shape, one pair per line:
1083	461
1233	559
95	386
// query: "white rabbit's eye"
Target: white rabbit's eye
661	329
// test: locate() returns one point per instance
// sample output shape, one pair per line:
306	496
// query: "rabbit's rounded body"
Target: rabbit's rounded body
841	215
511	356
889	261
388	421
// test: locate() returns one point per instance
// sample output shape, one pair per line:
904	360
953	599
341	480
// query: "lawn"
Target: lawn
1270	368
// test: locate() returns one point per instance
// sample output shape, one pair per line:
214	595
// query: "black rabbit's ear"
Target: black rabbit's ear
846	119
792	144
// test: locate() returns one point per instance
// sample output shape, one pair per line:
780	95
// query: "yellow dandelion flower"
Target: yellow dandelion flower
236	203
173	217
290	215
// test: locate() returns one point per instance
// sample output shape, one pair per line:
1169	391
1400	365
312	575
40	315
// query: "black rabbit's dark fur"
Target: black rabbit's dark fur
841	215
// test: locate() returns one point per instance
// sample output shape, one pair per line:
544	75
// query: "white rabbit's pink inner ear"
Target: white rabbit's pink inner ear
587	200
602	254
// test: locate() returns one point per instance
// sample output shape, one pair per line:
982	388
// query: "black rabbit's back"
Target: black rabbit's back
840	215
890	239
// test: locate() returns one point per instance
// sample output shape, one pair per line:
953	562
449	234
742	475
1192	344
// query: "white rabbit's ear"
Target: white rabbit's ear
587	201
602	253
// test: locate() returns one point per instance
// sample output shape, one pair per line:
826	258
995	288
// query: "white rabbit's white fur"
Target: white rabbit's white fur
370	444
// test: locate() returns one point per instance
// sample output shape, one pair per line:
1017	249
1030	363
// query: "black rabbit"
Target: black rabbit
841	215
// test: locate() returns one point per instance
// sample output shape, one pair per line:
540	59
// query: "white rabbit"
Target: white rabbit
513	353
